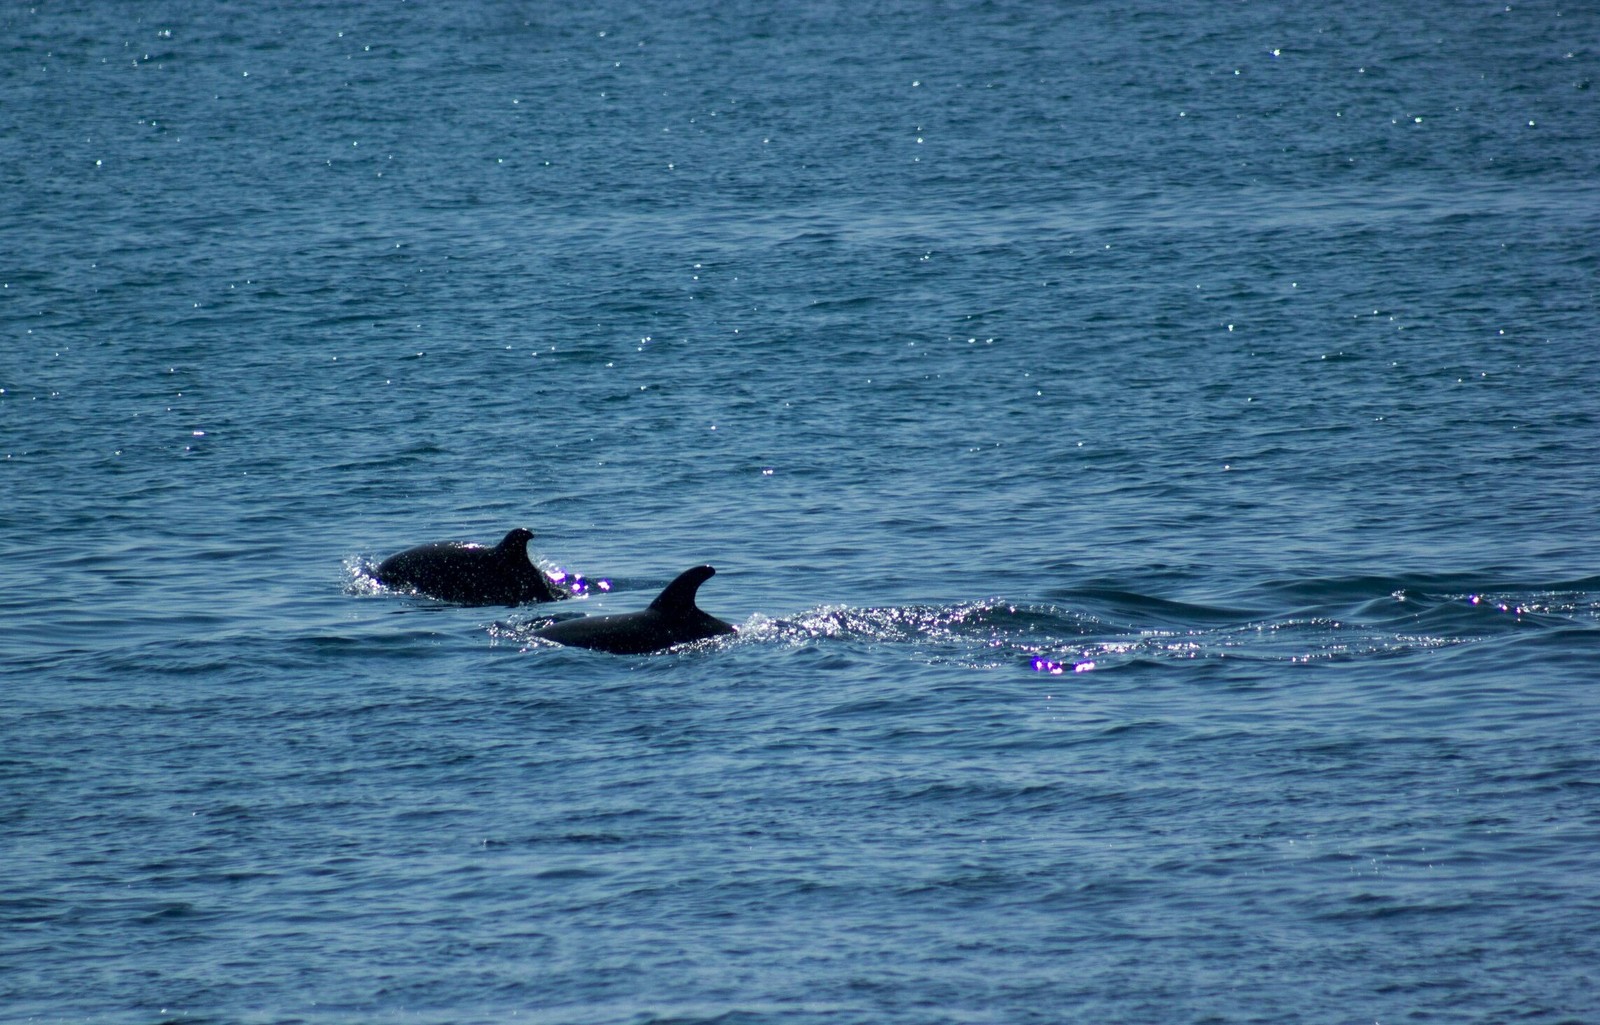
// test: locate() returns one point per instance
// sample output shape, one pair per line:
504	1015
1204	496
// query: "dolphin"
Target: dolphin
673	618
469	573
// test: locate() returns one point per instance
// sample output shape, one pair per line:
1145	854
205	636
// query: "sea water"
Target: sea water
1149	452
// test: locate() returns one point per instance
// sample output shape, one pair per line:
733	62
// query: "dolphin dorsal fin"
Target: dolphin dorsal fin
515	542
677	598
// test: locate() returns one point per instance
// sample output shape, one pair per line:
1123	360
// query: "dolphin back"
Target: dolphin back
673	618
469	573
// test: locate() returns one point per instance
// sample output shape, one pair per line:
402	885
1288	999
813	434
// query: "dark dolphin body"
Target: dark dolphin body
673	618
470	574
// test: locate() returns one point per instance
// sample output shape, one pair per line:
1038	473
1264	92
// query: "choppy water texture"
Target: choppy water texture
1149	453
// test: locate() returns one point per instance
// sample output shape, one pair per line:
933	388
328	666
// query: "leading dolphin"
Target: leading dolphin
673	618
470	574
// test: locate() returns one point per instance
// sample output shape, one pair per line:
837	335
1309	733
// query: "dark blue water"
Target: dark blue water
1149	452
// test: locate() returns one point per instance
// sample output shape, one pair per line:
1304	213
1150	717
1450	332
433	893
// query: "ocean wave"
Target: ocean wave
1352	619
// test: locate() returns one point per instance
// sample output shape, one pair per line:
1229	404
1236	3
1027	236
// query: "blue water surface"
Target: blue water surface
1149	452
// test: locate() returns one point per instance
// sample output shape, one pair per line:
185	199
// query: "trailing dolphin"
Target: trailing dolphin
471	574
673	618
